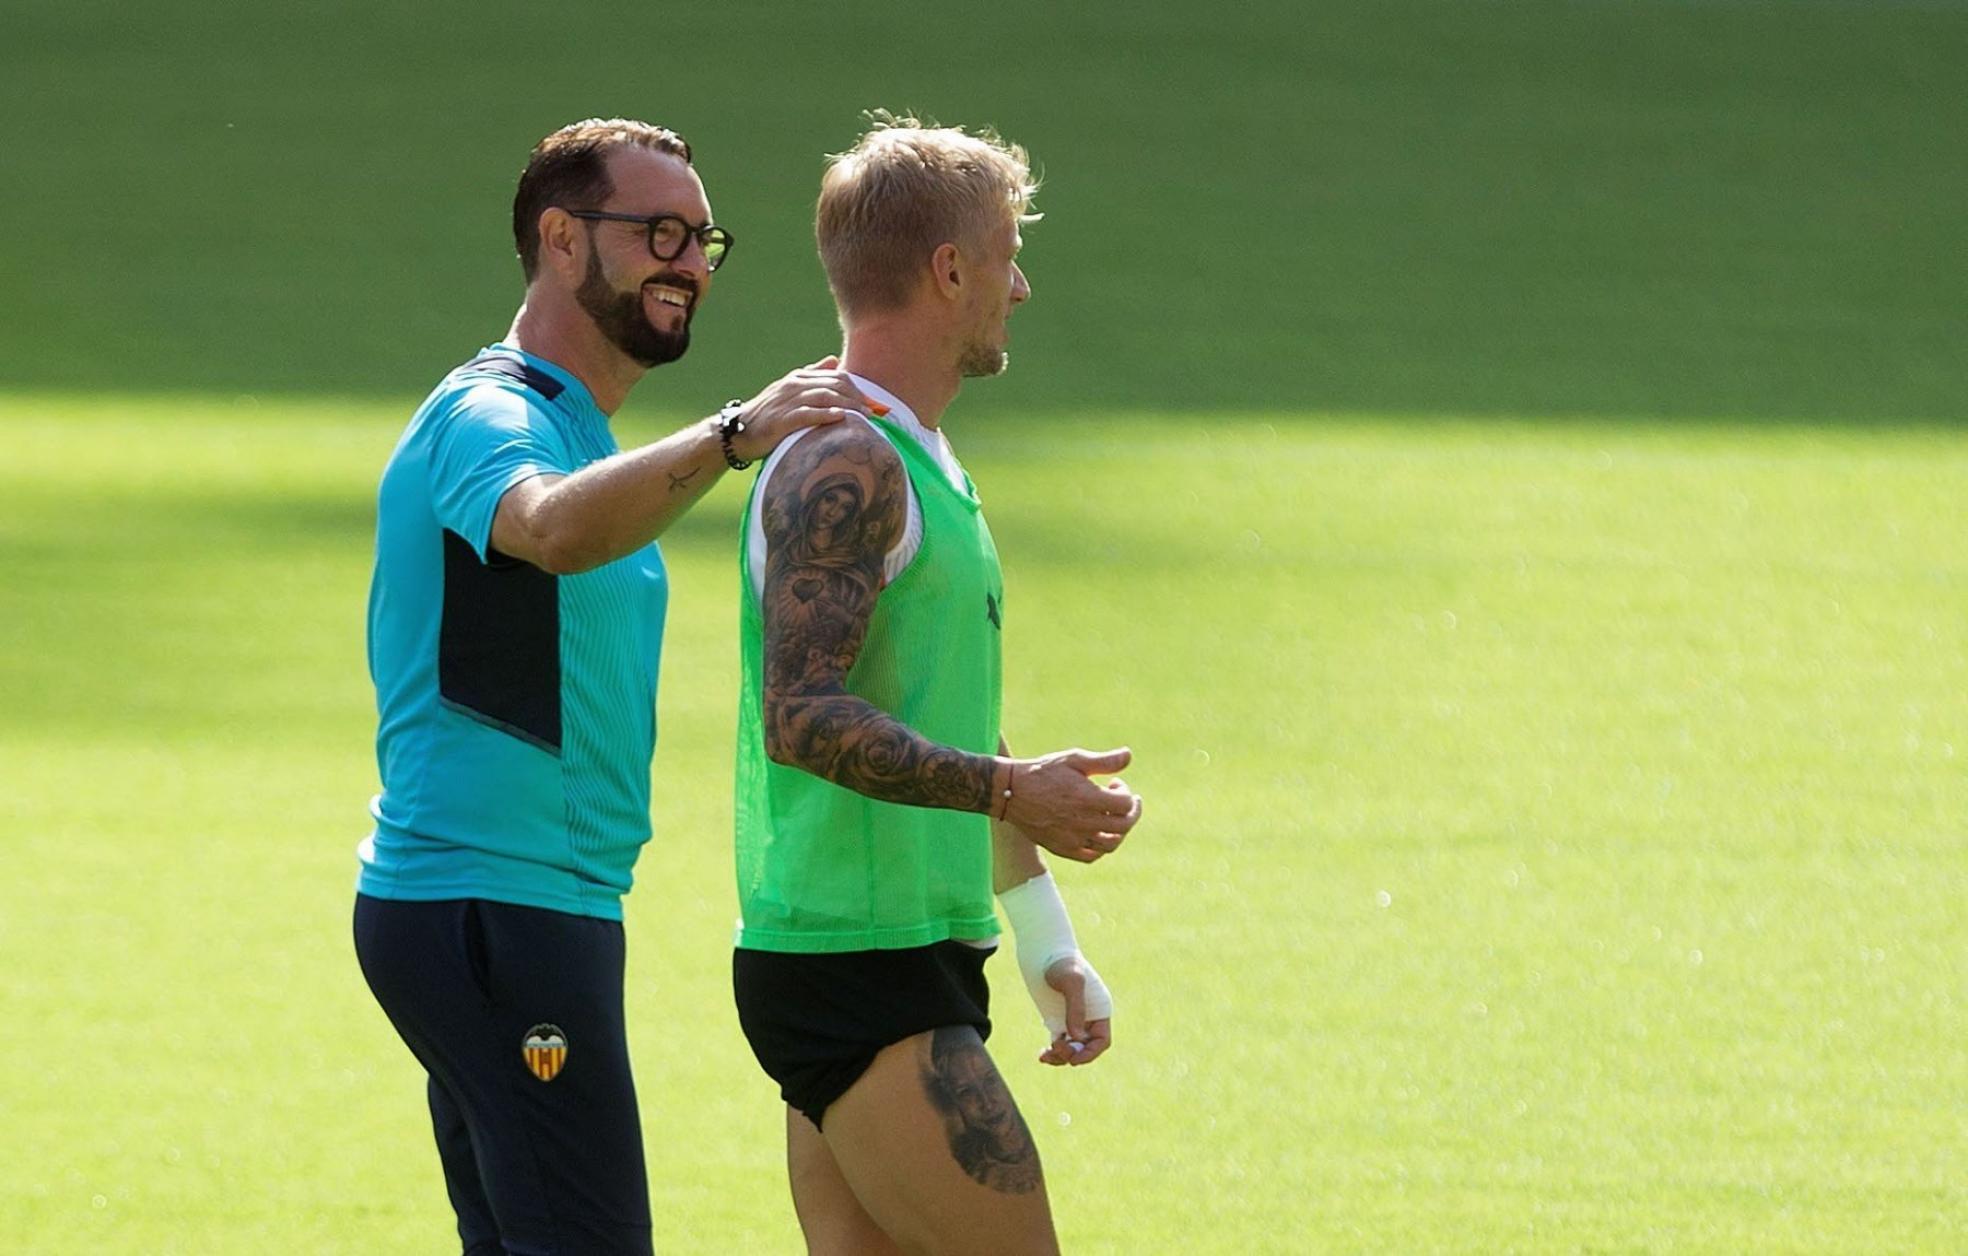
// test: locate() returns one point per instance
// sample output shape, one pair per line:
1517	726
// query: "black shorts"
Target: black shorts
516	1014
816	1022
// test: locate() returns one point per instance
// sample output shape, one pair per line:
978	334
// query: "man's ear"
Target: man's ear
562	243
946	270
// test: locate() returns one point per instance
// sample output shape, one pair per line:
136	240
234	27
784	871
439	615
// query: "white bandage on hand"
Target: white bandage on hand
1044	936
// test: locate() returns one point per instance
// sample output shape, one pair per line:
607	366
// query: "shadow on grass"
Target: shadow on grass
1544	208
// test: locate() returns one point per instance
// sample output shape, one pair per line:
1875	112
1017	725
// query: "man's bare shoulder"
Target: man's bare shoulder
852	442
839	494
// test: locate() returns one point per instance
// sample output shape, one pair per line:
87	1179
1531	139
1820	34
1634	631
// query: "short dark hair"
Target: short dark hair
570	168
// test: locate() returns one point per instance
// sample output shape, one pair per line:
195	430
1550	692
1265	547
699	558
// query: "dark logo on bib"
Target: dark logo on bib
991	612
545	1050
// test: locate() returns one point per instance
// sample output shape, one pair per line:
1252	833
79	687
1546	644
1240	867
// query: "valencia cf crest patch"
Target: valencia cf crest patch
545	1049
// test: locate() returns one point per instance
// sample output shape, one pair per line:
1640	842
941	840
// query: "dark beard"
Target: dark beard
619	316
980	360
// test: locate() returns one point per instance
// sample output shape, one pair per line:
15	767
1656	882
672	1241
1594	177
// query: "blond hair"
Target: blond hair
906	187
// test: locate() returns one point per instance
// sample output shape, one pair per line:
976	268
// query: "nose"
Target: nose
1021	291
693	263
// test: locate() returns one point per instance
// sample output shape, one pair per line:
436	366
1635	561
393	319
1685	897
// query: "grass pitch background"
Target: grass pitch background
1746	208
1558	820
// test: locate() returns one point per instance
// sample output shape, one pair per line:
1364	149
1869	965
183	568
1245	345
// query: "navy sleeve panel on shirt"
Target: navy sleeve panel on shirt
498	656
489	438
518	371
498	648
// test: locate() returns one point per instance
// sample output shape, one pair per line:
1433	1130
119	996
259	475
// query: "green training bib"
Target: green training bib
822	868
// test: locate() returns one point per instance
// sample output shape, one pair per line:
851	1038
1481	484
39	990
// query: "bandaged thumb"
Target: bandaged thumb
1044	936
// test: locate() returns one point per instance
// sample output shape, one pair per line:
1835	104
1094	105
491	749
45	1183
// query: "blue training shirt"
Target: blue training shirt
517	708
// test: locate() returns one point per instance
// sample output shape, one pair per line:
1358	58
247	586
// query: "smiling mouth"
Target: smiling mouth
665	294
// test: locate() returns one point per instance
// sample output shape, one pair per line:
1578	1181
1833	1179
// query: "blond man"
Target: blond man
878	807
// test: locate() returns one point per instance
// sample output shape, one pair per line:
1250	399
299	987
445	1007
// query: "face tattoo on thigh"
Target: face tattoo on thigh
987	1136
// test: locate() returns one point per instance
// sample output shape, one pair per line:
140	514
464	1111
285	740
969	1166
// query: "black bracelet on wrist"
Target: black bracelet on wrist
730	423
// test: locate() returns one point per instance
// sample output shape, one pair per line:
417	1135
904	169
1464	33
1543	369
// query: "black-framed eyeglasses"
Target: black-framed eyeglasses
670	235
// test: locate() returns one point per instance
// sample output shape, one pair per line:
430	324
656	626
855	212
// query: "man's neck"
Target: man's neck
917	373
571	341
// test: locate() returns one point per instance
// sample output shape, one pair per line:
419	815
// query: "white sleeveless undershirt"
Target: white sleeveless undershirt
896	560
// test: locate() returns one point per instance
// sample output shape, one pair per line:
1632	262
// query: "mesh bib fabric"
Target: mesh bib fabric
824	869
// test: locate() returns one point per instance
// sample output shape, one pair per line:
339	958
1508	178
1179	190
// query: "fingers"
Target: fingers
1121	812
1072	841
819	384
1084	849
1065	1050
777	415
1098	763
832	394
1065	976
1082	1040
826	376
1125	820
1119	808
1099	1036
1056	803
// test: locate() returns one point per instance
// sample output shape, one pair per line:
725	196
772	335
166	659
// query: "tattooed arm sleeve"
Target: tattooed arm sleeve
834	507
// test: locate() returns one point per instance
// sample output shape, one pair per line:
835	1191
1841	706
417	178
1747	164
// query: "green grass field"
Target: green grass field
1556	838
1729	208
1500	464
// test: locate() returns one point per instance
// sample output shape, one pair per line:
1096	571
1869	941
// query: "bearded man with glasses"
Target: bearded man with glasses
515	626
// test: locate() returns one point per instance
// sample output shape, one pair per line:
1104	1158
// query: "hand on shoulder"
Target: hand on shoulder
816	395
